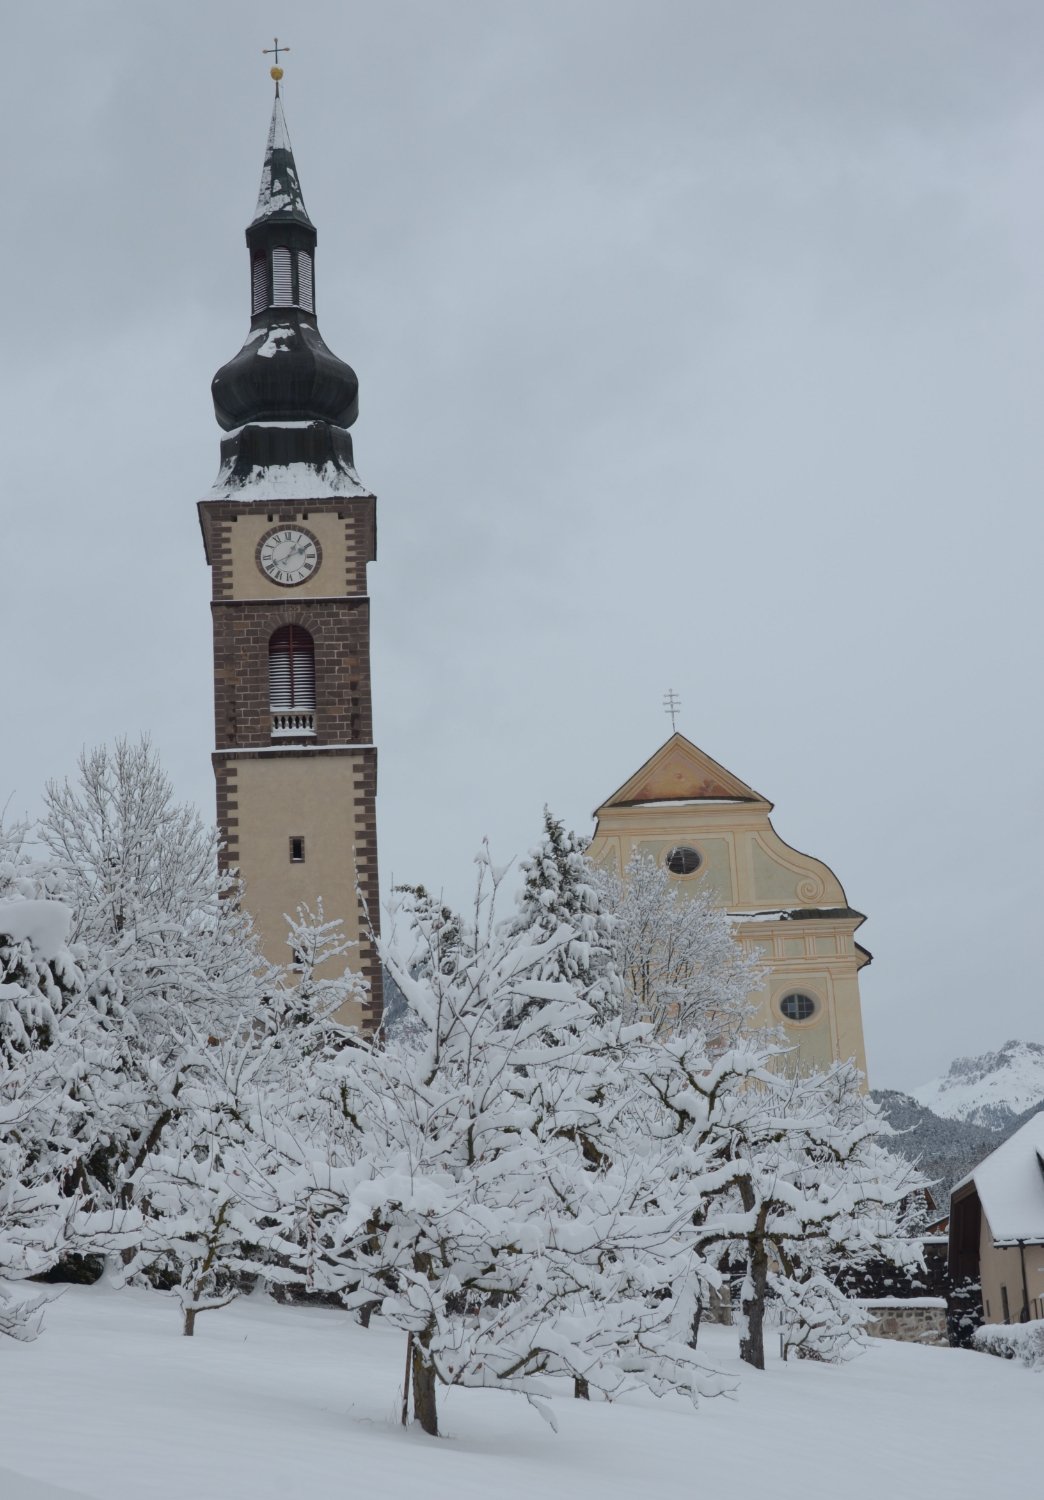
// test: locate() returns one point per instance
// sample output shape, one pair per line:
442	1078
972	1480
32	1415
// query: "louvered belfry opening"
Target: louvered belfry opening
282	277
291	670
290	283
305	296
259	281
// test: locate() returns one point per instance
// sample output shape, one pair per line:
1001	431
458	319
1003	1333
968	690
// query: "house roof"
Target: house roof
1010	1185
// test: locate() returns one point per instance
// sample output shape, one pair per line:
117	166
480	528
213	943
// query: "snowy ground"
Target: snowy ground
270	1403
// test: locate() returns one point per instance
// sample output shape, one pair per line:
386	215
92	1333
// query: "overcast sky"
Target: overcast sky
700	346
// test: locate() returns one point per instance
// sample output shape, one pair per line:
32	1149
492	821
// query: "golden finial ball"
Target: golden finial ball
276	73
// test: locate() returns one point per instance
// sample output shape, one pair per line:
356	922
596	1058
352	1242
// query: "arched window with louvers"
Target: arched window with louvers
291	682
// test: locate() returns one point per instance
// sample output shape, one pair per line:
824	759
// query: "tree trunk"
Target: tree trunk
694	1331
755	1283
424	1391
581	1389
406	1380
755	1286
189	1327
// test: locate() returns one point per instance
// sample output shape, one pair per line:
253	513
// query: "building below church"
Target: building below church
712	831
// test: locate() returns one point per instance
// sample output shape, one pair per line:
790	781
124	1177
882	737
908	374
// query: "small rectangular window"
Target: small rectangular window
296	850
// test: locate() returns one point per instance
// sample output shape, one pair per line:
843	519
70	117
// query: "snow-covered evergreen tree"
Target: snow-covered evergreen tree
561	890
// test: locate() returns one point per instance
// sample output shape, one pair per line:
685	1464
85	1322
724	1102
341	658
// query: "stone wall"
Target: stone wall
917	1320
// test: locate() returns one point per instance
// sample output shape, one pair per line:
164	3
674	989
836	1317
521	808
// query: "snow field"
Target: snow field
278	1403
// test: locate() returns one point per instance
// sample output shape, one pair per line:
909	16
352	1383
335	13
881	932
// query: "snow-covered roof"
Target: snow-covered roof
1010	1185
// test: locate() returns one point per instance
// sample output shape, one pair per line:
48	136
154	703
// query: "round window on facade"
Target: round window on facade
683	860
798	1006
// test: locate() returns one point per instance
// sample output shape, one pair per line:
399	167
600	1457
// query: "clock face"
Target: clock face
288	555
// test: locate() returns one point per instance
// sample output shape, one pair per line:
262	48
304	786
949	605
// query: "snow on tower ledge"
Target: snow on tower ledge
288	482
287	461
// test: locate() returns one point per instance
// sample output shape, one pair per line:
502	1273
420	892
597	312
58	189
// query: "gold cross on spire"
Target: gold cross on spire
275	48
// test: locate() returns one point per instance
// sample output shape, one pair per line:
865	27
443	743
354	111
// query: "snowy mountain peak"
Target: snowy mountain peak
988	1090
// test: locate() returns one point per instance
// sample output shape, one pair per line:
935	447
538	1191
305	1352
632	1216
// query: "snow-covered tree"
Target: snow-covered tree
399	1023
676	953
207	1189
143	1077
53	1063
204	1191
140	872
788	1185
464	1183
823	1197
315	943
166	954
562	890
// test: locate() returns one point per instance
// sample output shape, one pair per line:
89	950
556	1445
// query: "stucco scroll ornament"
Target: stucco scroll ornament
810	889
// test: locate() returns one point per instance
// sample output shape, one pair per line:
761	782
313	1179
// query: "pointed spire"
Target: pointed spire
280	196
284	373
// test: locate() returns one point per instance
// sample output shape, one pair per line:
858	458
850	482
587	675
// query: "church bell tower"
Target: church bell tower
289	529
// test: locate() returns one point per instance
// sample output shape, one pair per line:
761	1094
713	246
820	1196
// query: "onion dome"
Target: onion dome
284	372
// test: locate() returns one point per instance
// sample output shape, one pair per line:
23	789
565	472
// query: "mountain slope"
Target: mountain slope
944	1150
990	1090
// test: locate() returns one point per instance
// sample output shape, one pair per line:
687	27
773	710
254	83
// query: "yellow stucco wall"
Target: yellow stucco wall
315	798
1001	1267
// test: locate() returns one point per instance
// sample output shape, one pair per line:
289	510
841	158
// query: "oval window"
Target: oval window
798	1006
683	860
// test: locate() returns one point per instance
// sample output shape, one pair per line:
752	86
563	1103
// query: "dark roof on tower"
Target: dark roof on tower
284	375
280	196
